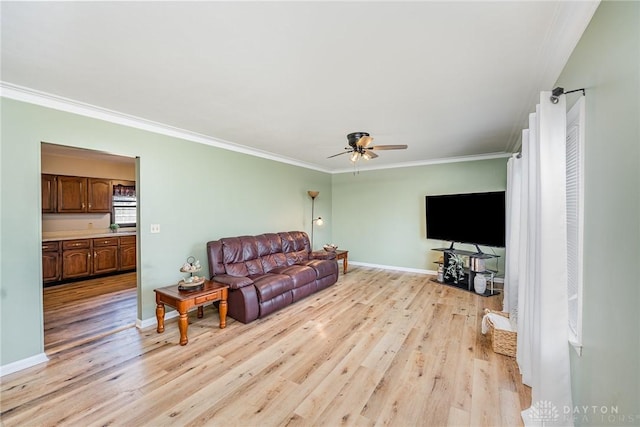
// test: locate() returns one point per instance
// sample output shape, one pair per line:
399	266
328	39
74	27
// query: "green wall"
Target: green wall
380	215
606	62
195	192
198	193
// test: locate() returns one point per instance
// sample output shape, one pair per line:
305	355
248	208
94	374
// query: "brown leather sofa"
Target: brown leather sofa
268	272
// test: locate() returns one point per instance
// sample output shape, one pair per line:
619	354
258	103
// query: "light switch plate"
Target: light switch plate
155	228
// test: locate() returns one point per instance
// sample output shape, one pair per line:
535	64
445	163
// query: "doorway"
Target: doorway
84	302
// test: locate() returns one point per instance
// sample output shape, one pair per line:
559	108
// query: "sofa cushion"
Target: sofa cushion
300	274
295	244
269	262
323	268
270	285
234	282
269	243
275	304
240	256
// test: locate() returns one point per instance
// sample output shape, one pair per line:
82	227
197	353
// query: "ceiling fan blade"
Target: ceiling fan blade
339	154
364	141
371	154
388	147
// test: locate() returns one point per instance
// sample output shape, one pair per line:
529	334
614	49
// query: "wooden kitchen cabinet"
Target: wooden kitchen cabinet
72	194
105	255
76	194
76	258
85	258
99	195
49	194
51	262
127	253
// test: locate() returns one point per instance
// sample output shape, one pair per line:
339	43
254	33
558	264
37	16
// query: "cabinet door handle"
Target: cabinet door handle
82	205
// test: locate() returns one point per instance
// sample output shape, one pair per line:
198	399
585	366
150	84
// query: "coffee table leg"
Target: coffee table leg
183	324
345	265
222	311
200	312
160	317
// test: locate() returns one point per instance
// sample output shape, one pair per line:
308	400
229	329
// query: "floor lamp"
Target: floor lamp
313	195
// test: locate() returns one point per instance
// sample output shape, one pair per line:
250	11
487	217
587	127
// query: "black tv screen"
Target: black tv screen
476	218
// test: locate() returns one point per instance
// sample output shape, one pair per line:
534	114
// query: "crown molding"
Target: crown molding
488	156
43	99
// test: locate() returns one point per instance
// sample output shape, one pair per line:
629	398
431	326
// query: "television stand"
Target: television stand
467	274
451	248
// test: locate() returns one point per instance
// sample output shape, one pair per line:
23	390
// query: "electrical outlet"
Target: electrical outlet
155	228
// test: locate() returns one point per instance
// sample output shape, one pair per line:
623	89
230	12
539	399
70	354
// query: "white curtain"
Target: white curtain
536	271
512	262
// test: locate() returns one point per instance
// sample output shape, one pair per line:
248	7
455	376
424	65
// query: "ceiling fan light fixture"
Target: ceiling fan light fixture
359	147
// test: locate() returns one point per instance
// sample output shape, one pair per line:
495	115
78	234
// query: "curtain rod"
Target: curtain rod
560	91
555	93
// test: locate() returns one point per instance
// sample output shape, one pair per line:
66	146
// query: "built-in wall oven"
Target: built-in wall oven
125	204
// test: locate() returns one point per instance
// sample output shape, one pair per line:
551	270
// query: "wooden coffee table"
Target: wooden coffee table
184	300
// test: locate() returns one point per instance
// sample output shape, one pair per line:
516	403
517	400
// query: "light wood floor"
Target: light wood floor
377	348
78	312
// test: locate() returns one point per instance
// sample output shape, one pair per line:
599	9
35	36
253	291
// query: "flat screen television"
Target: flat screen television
475	218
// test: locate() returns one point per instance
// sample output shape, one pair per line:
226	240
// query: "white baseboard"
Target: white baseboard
409	270
152	321
23	364
391	267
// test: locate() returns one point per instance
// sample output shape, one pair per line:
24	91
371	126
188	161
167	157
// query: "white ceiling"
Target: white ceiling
291	79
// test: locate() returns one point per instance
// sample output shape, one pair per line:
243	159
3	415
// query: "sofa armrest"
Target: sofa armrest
234	282
322	255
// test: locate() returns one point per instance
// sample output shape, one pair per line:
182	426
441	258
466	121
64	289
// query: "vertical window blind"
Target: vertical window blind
575	209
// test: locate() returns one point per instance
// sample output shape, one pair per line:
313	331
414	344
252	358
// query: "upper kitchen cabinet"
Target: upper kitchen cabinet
78	194
99	195
49	194
72	194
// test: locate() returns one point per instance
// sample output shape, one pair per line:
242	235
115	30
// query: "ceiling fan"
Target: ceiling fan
359	147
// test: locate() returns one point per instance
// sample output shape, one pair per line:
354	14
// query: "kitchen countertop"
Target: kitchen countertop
52	236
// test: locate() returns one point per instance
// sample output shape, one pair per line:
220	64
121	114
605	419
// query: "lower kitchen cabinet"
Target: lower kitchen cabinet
127	253
76	258
84	258
105	255
51	262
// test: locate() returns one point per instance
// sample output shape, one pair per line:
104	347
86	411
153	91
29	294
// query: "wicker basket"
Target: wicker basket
504	342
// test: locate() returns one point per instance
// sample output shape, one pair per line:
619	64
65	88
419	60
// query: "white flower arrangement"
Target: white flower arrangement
454	268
